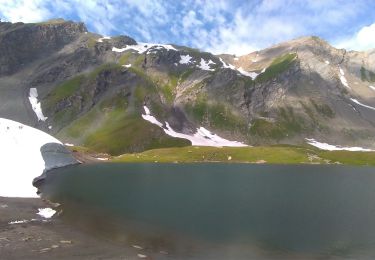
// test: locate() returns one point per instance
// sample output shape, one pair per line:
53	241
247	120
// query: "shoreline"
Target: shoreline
51	238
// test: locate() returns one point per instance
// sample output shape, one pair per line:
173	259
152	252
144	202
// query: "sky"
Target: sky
219	26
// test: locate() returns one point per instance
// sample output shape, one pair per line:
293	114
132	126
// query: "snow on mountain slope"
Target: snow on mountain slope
330	147
363	105
35	104
144	47
202	137
21	159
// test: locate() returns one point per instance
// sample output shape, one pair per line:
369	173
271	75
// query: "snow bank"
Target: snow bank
227	66
104	38
252	75
35	104
144	47
21	159
202	137
46	212
148	117
205	65
185	59
363	105
329	147
343	79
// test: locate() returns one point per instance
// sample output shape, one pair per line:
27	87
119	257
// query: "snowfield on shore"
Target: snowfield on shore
330	147
21	159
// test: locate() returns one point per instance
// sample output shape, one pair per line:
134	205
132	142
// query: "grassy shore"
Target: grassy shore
263	154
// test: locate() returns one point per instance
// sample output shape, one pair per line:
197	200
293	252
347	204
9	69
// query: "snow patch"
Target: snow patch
359	103
327	62
236	58
102	159
104	38
19	222
343	79
252	75
148	117
185	59
372	87
21	159
329	147
144	47
36	105
68	144
202	136
127	66
46	212
227	66
205	65
137	247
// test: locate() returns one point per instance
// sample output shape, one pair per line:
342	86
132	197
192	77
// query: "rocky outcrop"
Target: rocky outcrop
22	43
55	156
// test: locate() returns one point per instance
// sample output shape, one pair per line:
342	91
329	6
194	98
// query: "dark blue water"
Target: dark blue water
226	211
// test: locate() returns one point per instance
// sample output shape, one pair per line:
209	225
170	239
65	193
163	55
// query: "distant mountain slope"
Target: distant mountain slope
93	90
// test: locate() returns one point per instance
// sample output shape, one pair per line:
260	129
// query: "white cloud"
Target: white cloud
24	10
219	26
364	39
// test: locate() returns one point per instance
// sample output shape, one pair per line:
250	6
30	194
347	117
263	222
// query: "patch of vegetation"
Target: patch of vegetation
287	124
81	126
168	89
279	65
348	157
280	154
64	90
104	67
308	111
121	132
123	60
186	74
217	114
323	109
52	21
65	116
367	75
91	42
264	128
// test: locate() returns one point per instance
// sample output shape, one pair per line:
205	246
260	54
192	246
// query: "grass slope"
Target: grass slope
267	154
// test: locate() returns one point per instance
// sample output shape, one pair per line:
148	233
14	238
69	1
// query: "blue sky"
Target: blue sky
218	26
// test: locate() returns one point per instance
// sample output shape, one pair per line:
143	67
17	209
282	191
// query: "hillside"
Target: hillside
114	95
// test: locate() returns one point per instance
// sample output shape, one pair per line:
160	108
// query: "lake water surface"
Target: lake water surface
224	211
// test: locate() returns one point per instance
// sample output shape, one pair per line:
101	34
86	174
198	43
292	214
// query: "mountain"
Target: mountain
114	95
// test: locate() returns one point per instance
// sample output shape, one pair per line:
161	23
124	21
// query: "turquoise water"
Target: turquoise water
225	211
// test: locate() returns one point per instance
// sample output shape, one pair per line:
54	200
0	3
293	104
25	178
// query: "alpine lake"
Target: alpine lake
221	210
